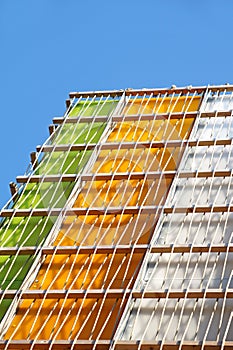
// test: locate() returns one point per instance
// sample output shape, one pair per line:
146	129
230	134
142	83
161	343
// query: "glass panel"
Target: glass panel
164	105
90	317
218	102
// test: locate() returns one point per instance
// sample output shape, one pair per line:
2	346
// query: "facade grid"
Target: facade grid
119	235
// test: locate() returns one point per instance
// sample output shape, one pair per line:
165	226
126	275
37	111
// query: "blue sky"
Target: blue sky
51	47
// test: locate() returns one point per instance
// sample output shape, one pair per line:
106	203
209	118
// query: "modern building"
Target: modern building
120	234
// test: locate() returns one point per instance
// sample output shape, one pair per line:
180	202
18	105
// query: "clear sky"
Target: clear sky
51	47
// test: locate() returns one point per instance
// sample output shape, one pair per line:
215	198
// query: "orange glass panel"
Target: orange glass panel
108	229
156	130
94	271
174	104
61	319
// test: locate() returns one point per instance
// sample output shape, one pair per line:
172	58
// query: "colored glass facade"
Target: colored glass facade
119	236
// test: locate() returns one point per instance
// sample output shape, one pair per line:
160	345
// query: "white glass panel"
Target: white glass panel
218	103
197	228
202	191
208	158
177	319
215	127
168	319
189	270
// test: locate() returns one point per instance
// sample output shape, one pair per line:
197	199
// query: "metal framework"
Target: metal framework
119	235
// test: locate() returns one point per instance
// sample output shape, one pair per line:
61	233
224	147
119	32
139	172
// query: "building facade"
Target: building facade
119	235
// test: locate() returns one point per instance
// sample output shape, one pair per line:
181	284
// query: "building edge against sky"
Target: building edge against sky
119	235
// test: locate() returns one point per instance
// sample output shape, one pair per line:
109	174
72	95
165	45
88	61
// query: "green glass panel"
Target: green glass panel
28	231
97	108
4	305
45	195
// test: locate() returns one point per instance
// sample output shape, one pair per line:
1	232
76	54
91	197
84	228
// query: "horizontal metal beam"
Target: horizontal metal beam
104	93
177	90
122	176
155	91
76	211
85	344
173	345
115	293
152	209
46	178
141	92
216	114
96	177
109	146
136	117
132	145
119	249
125	118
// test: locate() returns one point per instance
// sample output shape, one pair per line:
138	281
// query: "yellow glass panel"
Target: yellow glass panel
151	130
163	105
